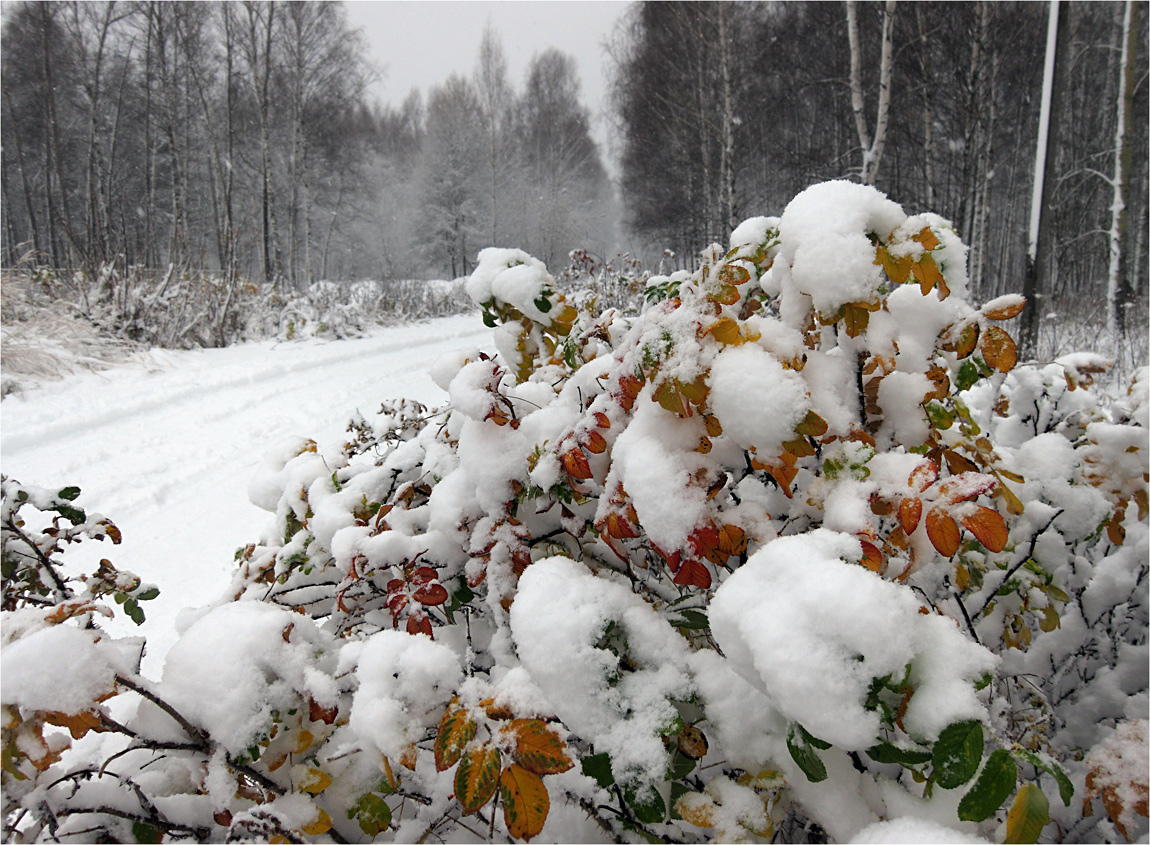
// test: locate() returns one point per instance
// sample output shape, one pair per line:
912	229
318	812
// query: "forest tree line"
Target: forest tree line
240	137
727	109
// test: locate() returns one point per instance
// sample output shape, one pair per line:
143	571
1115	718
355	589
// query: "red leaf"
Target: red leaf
943	532
692	573
418	623
432	594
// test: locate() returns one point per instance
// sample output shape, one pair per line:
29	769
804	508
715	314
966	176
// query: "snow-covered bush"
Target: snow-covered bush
795	553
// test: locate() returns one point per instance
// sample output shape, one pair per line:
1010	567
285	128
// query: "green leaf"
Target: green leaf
804	755
69	494
886	752
994	784
693	619
811	740
957	753
134	612
681	766
73	515
598	767
543	304
646	802
1065	787
373	813
678	790
146	833
489	319
968	374
1028	815
148	594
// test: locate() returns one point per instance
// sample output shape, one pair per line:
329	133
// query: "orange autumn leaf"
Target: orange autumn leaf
909	513
1004	307
525	801
872	556
943	532
78	724
987	526
575	464
926	237
595	443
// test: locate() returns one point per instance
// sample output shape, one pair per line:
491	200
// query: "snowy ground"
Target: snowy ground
166	449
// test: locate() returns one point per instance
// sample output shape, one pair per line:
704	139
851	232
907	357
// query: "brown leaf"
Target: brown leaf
525	801
78	724
318	713
998	350
575	464
812	425
594	442
967	340
692	742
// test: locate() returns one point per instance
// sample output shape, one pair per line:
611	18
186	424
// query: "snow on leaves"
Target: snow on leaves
810	453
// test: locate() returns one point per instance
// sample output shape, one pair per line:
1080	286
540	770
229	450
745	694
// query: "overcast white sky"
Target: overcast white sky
419	43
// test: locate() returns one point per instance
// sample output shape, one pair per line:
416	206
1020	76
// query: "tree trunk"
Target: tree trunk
872	148
1118	292
1040	250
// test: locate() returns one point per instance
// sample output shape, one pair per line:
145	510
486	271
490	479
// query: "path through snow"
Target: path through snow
166	452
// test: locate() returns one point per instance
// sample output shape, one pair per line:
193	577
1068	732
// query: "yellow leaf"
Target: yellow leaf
697	808
726	331
1028	815
476	777
302	741
525	801
692	742
319	825
896	269
456	729
310	780
538	747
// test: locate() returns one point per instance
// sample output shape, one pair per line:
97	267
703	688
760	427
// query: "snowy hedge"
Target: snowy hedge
796	552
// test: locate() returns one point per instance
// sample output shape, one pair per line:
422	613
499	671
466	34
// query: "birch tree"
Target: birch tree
872	146
1118	291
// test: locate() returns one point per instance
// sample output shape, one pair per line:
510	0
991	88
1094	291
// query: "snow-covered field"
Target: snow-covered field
166	449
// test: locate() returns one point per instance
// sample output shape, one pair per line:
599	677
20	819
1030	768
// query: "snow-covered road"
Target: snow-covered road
166	451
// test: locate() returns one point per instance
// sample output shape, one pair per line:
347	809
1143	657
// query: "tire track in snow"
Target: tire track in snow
168	455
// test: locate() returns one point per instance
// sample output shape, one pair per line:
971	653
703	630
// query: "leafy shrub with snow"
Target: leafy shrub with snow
797	552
